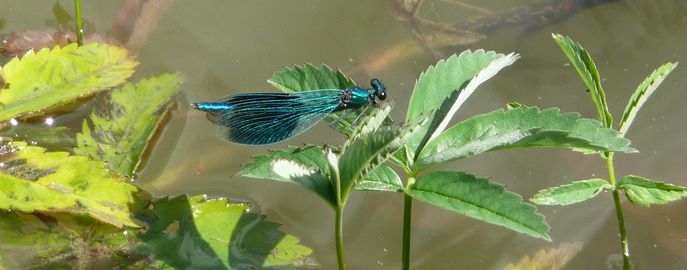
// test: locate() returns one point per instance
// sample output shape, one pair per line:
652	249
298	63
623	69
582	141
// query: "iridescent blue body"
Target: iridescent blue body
266	118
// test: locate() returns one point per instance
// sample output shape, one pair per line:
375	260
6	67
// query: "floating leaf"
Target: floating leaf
642	94
578	191
549	259
58	136
120	131
52	77
585	66
381	178
200	233
34	180
61	241
520	127
480	199
442	88
309	77
645	192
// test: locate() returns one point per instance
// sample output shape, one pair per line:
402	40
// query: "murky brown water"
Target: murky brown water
223	47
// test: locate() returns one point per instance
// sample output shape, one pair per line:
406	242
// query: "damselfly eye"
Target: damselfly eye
381	96
380	90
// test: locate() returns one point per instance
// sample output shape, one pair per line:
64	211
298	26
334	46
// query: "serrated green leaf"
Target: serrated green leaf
520	127
309	77
261	166
586	68
201	233
34	180
304	166
306	177
645	192
578	191
478	198
642	94
373	120
442	88
52	77
120	130
381	178
362	155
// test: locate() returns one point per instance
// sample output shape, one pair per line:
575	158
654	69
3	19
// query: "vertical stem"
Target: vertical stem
407	215
339	238
627	264
78	22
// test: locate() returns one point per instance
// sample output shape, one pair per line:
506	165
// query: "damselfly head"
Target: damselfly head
380	90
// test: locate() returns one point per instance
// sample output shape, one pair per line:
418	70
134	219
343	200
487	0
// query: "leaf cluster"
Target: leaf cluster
638	190
76	207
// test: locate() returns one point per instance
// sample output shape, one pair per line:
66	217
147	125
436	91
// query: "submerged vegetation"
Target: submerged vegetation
67	199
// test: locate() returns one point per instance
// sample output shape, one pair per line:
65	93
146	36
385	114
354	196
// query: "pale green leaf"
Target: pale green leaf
201	233
261	166
642	94
309	77
578	191
305	166
372	121
586	68
48	78
306	177
120	130
645	192
362	155
34	180
381	178
442	88
520	127
478	198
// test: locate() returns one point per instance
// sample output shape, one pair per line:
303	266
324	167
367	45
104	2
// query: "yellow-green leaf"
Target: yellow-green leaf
121	129
32	179
41	80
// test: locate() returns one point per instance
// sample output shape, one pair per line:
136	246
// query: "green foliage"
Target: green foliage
122	128
48	78
303	176
586	68
516	128
642	94
645	192
442	88
478	198
578	191
206	233
35	180
382	178
362	155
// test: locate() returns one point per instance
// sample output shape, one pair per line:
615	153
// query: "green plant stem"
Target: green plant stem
78	22
407	215
627	264
339	238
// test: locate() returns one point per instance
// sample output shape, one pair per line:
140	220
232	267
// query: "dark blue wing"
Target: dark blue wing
265	118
